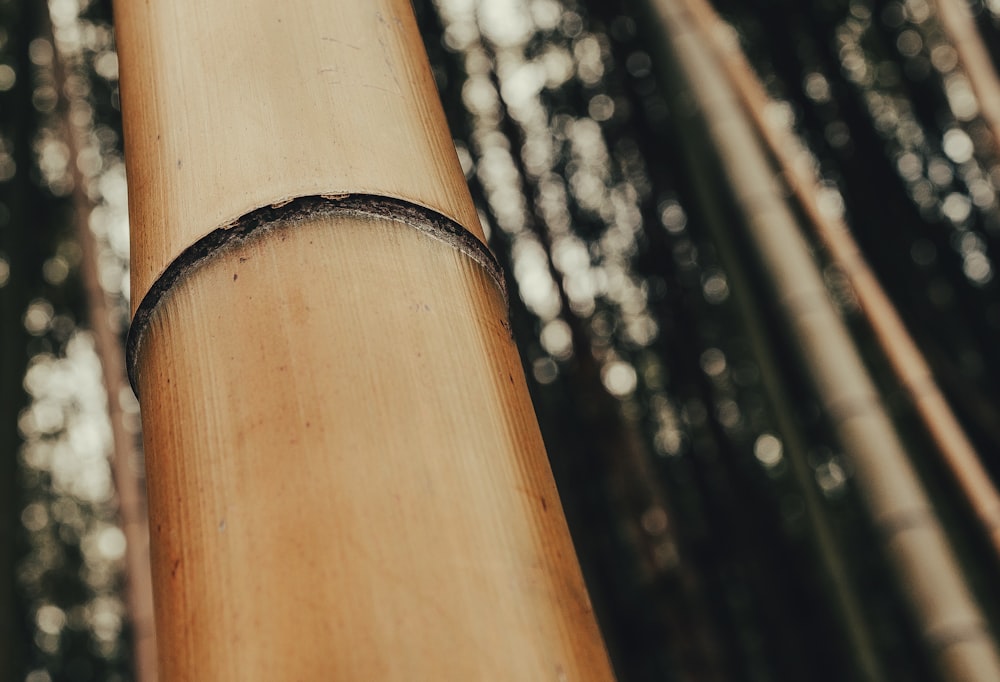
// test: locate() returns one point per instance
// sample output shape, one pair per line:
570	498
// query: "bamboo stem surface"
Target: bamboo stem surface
232	106
346	479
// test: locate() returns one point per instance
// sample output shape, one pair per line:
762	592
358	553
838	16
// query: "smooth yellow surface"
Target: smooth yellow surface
232	105
346	477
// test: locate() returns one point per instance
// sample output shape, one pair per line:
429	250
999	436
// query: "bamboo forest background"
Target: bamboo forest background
718	514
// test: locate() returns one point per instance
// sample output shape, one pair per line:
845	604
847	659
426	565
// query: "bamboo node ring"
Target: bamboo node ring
287	211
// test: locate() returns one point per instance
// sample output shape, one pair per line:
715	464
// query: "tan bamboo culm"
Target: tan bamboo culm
346	478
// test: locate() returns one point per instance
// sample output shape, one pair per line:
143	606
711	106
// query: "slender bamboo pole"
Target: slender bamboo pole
959	25
914	541
848	603
906	360
346	480
107	345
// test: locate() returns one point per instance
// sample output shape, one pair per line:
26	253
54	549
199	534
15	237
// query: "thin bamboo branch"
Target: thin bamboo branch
129	486
907	361
913	539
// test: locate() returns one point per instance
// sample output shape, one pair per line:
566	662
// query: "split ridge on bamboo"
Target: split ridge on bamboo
346	478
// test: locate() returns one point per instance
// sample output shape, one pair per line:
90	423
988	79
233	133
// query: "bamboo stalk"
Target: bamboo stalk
288	100
913	539
867	664
959	25
124	457
906	360
346	479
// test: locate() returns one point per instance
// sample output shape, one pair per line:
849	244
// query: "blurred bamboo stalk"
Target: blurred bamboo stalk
928	572
898	346
846	601
960	27
346	476
125	458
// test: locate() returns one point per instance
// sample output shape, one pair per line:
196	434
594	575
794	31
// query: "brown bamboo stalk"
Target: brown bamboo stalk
129	486
913	539
960	27
906	360
346	477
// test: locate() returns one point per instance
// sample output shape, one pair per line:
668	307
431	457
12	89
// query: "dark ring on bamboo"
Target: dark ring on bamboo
426	220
